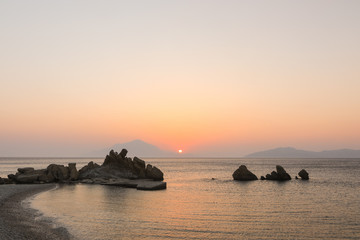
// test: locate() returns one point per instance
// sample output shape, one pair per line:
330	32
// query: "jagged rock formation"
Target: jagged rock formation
243	174
117	170
117	165
304	174
279	175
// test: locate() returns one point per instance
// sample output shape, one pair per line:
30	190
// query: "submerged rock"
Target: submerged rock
243	174
304	174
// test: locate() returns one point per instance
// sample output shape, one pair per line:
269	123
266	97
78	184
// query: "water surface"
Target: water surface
196	207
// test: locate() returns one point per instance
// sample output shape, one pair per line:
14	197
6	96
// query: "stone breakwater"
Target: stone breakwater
116	170
243	174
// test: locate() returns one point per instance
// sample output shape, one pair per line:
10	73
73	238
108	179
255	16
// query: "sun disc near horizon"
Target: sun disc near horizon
180	151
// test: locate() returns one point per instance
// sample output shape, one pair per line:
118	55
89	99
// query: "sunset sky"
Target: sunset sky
222	77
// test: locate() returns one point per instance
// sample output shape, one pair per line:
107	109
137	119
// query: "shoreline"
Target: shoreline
18	221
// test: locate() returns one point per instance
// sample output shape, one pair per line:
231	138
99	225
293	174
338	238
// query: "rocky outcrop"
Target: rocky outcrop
117	165
117	170
304	174
53	173
279	175
243	174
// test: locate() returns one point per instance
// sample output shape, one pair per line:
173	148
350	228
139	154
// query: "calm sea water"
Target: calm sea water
196	207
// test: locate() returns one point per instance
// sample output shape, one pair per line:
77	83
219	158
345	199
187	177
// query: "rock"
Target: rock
87	181
57	173
119	166
111	158
304	174
139	184
25	170
273	176
279	175
123	153
139	162
27	178
117	169
243	174
139	167
283	175
151	185
85	171
262	178
122	183
296	177
99	180
154	173
7	181
73	173
11	177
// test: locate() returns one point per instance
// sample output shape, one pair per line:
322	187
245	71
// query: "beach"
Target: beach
18	221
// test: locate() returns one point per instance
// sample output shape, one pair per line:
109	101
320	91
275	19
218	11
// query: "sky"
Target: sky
208	77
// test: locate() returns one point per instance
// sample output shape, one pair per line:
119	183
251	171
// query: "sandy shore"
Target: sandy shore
18	222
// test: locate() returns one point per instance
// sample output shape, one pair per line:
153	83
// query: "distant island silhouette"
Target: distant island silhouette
144	149
289	152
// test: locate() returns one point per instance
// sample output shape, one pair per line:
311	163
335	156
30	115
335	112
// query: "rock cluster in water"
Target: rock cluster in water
279	175
243	174
117	170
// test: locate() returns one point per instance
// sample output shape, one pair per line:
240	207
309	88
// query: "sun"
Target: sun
179	151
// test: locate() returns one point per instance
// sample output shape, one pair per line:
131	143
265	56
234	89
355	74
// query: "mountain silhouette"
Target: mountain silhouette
289	152
137	148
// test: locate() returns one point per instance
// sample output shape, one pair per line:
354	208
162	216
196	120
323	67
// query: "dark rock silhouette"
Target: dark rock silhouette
85	172
243	174
279	175
117	170
304	174
73	172
117	165
25	170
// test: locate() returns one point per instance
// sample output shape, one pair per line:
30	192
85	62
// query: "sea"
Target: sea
202	201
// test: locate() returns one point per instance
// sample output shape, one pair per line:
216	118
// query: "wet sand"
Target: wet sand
18	222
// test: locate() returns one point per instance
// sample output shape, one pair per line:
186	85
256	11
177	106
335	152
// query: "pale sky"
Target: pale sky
224	77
